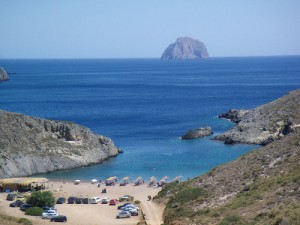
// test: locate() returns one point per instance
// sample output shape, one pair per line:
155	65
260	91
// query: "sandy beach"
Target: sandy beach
92	214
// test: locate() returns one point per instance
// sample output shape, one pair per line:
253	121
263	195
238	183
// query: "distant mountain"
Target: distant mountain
3	74
185	48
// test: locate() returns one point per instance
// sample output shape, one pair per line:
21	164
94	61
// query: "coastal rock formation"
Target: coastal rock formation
31	145
198	133
3	74
185	48
234	115
265	123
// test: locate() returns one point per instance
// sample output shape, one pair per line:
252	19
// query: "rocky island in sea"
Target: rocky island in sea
198	133
185	48
30	145
3	74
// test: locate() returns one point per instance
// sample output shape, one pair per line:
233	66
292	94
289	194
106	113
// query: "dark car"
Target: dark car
86	201
25	206
79	200
61	200
59	218
72	200
11	197
17	203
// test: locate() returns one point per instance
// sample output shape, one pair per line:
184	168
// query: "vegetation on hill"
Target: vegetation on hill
262	187
259	188
10	220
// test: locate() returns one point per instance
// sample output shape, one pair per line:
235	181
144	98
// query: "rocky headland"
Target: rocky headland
265	123
3	74
261	187
31	145
198	133
185	48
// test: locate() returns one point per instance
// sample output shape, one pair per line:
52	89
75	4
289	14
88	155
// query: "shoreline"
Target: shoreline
79	214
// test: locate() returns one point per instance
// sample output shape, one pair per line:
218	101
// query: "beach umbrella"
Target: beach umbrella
126	178
153	179
112	178
138	179
178	178
93	181
165	178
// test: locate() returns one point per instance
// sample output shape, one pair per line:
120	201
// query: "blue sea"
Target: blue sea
145	105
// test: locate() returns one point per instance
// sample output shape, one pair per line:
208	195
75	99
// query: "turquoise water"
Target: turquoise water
144	105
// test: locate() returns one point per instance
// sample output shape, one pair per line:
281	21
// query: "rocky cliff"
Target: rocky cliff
265	123
3	74
31	145
185	48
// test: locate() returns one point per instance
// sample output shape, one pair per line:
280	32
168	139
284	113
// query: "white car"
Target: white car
95	200
132	211
105	200
49	214
124	214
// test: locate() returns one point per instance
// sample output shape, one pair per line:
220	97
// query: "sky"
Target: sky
143	29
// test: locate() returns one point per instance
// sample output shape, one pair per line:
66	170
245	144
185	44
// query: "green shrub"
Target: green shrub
187	195
24	221
231	220
41	199
34	211
137	202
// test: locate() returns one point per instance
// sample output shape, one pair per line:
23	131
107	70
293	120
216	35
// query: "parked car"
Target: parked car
79	200
61	200
129	206
105	200
132	211
95	200
72	200
124	205
21	197
59	218
17	203
123	214
126	198
11	196
86	201
25	206
49	214
114	201
47	208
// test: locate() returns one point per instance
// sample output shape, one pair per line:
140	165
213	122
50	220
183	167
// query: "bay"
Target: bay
144	105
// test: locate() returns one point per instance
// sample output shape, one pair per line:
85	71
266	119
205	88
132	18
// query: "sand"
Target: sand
90	214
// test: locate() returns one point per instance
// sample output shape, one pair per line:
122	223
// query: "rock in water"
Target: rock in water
198	133
185	48
3	74
31	145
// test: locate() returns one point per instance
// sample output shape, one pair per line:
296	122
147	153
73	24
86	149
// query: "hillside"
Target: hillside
31	145
261	187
